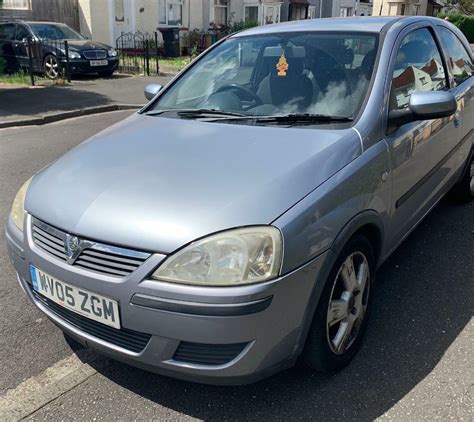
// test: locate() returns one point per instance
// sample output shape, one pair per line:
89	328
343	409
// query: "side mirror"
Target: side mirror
425	105
151	90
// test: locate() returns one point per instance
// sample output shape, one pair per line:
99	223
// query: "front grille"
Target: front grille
94	54
48	242
94	256
207	354
133	341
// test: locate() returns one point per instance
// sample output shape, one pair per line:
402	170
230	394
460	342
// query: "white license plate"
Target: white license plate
99	62
84	302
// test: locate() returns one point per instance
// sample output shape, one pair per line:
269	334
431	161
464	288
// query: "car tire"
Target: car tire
342	313
51	67
464	190
106	73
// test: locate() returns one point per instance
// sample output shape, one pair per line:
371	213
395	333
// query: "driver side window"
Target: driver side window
418	67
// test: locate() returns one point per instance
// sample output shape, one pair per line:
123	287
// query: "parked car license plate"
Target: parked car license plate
84	302
99	62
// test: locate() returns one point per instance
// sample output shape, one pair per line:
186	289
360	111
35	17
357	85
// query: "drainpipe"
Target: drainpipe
320	9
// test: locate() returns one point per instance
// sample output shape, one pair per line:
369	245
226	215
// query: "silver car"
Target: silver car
237	221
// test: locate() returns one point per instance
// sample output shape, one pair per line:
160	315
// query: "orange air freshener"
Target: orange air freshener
282	66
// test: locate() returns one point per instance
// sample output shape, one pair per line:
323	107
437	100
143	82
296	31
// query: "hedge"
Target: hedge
464	22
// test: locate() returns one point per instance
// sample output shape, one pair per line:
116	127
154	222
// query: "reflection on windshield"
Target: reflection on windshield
279	74
55	32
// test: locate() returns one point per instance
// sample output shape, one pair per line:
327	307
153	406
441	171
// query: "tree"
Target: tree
463	6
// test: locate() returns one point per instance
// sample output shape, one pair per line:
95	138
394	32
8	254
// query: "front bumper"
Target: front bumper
266	320
79	66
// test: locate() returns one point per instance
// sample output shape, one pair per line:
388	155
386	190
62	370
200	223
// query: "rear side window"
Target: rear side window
21	33
418	67
7	32
458	57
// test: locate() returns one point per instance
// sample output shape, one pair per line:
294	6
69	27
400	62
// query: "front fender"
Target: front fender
329	215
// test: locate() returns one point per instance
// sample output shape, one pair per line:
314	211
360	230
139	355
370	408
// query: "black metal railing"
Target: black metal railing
139	53
45	58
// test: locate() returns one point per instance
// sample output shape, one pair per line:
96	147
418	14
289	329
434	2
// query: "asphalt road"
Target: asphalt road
417	362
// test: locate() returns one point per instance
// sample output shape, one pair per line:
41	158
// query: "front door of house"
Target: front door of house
122	17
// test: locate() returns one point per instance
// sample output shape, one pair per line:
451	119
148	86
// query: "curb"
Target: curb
50	118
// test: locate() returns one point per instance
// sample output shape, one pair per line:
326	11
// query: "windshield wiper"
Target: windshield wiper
296	118
200	112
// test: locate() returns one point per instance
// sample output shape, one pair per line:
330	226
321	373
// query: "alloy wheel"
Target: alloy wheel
51	67
348	303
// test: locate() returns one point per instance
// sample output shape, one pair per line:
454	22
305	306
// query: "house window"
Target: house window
271	14
171	12
345	12
251	13
298	12
119	11
15	4
311	12
402	10
219	11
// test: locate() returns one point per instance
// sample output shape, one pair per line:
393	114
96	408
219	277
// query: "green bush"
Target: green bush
464	22
3	64
241	25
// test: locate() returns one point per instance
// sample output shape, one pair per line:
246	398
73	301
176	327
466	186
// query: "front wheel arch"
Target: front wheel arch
367	223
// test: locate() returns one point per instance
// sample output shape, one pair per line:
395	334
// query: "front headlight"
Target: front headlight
235	257
74	54
18	207
112	52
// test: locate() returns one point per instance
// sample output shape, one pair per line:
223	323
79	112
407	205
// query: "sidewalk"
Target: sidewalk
36	105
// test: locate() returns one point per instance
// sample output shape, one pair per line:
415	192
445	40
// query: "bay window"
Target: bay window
219	12
15	4
298	12
251	13
170	12
346	12
271	14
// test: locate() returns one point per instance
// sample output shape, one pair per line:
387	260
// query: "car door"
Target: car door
7	35
461	69
20	45
422	151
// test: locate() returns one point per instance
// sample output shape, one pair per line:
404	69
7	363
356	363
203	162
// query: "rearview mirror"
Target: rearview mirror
424	106
151	90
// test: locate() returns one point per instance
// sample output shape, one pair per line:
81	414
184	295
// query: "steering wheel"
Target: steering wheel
242	92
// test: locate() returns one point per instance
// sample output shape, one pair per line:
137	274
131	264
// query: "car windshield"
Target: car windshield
311	73
55	32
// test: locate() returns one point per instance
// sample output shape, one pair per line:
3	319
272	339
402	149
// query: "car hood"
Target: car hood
156	183
87	45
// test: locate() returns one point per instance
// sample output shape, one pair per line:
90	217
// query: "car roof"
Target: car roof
33	22
358	23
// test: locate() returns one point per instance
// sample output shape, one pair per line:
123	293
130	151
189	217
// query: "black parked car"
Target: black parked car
48	49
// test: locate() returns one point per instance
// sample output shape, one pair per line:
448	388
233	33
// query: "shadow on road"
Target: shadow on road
16	103
424	299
